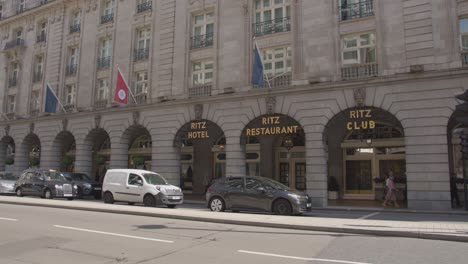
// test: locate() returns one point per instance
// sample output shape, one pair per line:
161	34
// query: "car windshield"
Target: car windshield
153	178
80	177
8	176
53	176
274	184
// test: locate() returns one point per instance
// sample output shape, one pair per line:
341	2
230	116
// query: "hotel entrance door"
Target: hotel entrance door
291	168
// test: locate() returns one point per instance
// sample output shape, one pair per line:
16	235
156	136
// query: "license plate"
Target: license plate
67	194
176	197
309	205
97	189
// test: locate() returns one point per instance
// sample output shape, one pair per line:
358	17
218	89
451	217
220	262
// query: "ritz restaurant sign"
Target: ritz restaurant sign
272	125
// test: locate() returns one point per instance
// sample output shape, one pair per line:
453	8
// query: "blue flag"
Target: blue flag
50	101
257	69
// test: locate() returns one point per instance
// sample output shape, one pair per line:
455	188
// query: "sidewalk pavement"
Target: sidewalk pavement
437	230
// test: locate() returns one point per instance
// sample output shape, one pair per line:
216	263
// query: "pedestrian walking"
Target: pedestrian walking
391	191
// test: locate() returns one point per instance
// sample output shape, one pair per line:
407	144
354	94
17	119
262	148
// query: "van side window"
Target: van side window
133	179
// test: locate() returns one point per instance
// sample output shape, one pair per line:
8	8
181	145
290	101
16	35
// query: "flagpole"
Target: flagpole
58	100
126	83
263	65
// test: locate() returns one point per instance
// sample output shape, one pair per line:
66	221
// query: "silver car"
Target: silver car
248	193
7	182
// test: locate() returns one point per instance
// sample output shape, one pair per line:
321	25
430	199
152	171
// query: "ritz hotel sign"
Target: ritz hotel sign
198	130
360	120
272	125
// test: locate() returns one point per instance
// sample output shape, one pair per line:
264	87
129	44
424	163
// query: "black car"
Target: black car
249	193
45	183
86	186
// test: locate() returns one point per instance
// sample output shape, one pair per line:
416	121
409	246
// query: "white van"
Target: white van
139	186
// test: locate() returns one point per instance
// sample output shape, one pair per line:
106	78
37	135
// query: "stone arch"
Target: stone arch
454	130
364	128
137	146
7	153
93	154
202	155
28	154
63	151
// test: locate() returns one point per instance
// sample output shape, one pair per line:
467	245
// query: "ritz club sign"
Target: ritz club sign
361	119
198	130
271	125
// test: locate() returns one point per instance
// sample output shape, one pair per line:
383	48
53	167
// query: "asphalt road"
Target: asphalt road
47	235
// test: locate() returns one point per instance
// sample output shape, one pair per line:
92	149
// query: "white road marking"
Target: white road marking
8	219
299	258
113	234
369	215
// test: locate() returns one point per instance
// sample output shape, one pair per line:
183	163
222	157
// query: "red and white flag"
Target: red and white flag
121	91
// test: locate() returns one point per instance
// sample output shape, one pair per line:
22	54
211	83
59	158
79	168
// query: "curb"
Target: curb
357	231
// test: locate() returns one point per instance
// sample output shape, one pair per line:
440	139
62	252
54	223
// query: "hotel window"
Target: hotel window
203	30
352	9
272	16
19	36
75	22
72	66
12	81
105	53
70	94
42	31
144	5
141	86
107	11
38	68
21	6
35	101
143	44
202	73
103	86
277	61
464	40
359	56
11	103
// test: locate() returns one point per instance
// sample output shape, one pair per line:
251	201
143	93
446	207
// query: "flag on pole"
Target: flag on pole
121	91
51	100
257	69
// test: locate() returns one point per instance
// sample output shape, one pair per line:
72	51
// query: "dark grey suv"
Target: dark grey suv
248	193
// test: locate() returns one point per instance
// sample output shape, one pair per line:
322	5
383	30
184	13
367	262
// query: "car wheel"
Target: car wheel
19	192
108	198
79	193
171	205
217	204
282	207
47	194
149	201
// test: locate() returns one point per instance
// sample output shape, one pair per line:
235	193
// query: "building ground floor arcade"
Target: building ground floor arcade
346	139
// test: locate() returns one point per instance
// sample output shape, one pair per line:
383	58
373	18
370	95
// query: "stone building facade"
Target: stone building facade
354	90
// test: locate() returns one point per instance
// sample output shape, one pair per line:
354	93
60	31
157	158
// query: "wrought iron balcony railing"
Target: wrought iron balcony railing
41	38
202	41
200	90
103	62
75	28
21	9
281	80
359	71
107	18
282	24
139	98
465	58
34	111
100	103
12	82
69	107
71	69
14	43
144	6
37	77
43	2
141	54
364	8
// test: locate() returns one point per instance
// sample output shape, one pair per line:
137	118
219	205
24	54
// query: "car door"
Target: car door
22	182
134	188
37	183
234	191
256	196
27	184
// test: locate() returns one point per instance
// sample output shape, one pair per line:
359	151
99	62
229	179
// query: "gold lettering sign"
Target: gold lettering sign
271	125
360	119
200	132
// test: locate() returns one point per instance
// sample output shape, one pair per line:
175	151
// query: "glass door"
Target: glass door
359	177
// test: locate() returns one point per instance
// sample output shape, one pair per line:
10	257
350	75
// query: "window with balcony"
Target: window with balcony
102	92
358	56
353	9
464	40
13	79
140	91
21	6
42	32
202	30
35	103
105	53
143	44
72	65
202	77
38	68
70	95
144	5
277	66
11	105
75	22
271	16
107	11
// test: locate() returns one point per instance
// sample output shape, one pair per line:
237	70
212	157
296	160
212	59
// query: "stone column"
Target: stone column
3	148
166	160
119	152
84	157
316	168
50	156
21	157
235	153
